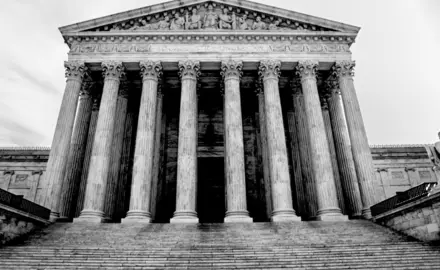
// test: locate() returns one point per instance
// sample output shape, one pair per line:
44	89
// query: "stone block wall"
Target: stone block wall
22	171
419	219
400	167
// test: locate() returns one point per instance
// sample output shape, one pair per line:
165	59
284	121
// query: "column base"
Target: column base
54	216
284	215
366	213
185	217
176	220
137	216
238	219
131	220
91	216
332	217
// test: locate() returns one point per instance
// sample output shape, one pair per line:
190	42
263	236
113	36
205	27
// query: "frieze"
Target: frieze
197	48
209	16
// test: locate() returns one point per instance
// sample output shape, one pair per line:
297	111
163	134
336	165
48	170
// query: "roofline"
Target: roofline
130	14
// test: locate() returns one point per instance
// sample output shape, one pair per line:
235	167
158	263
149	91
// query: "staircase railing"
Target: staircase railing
400	198
18	202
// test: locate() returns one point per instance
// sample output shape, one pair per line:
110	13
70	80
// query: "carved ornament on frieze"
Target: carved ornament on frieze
209	16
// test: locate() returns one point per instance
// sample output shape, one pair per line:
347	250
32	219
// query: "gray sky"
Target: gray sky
397	52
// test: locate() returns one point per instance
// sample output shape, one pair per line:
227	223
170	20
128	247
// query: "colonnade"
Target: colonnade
319	132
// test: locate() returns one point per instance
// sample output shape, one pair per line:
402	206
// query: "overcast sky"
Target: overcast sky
397	54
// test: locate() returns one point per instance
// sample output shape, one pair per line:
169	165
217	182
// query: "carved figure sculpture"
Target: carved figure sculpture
225	21
274	25
115	27
160	25
193	22
242	23
259	24
178	23
210	20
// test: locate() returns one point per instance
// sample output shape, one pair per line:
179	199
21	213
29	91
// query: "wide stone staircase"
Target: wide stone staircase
355	244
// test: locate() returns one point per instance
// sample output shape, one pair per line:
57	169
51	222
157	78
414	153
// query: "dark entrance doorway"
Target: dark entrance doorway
211	190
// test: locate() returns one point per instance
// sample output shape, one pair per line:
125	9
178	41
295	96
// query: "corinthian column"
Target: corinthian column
344	155
116	153
319	150
363	161
56	165
331	147
139	210
72	178
264	150
88	153
234	149
186	194
269	72
102	145
158	141
308	181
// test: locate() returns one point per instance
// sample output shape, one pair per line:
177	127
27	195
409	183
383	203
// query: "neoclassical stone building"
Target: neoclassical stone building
209	111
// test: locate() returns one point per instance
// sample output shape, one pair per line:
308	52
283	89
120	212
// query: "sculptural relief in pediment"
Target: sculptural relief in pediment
210	16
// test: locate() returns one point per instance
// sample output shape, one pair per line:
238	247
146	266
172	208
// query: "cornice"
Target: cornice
179	4
272	38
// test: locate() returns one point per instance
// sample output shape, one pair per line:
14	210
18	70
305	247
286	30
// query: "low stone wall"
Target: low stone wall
16	224
419	219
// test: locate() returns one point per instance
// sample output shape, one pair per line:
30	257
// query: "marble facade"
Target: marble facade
152	94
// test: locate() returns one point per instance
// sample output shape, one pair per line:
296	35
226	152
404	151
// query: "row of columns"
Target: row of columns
313	145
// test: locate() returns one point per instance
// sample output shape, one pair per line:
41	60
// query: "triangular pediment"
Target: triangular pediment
216	15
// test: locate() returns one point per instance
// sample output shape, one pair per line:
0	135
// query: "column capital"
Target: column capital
150	70
231	69
75	70
344	68
124	89
86	88
323	100
332	86
96	102
113	70
295	85
189	69
269	69
307	69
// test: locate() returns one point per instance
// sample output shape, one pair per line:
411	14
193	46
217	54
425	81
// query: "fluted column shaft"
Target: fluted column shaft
319	150
358	136
334	161
72	179
124	183
144	149
157	153
279	166
344	154
308	181
56	165
116	152
186	193
234	148
264	150
296	162
87	156
102	145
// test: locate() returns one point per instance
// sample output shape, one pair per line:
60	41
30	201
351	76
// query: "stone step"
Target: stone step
305	245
